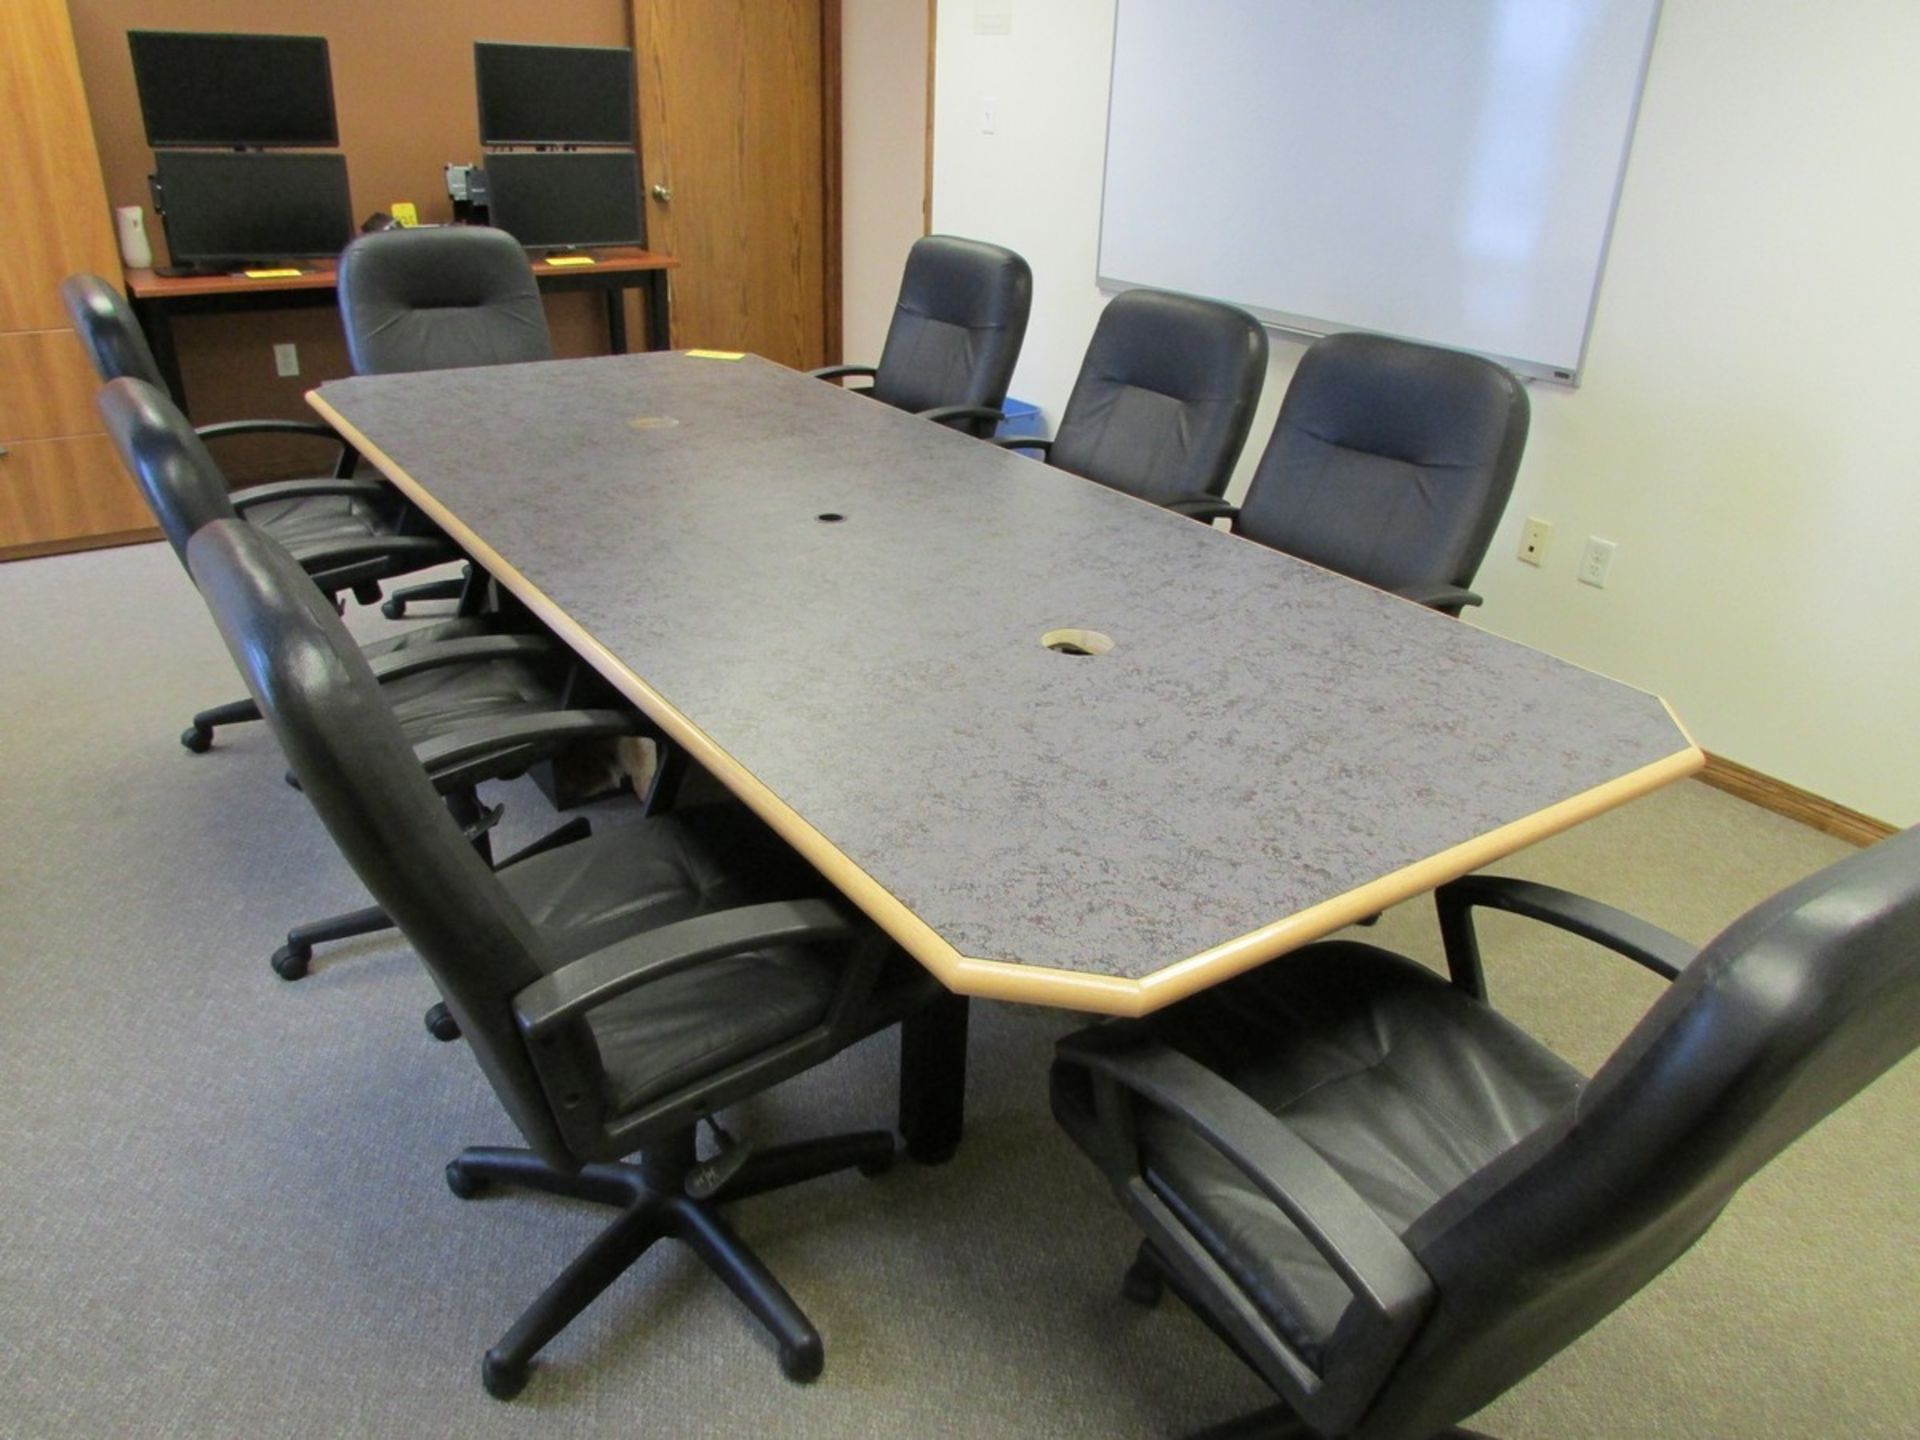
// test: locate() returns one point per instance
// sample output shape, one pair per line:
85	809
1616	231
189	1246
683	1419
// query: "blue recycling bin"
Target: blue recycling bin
1023	420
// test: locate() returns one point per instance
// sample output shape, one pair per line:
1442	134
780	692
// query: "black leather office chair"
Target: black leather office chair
494	682
439	299
614	992
300	513
185	490
1390	462
1164	397
1394	1204
955	336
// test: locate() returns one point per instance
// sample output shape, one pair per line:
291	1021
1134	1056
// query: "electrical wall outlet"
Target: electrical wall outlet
1595	561
1534	536
286	360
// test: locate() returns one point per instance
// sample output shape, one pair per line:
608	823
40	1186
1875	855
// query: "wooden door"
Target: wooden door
60	485
739	139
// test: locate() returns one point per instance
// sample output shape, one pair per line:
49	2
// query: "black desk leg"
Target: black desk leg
159	327
659	332
616	322
933	1079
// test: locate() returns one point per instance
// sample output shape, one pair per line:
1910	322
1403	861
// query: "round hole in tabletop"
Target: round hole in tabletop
1073	641
830	517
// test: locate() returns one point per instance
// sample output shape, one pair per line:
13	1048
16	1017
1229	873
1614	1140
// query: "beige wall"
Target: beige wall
883	108
1743	433
403	91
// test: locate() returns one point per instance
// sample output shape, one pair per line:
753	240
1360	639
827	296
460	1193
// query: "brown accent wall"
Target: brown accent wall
403	90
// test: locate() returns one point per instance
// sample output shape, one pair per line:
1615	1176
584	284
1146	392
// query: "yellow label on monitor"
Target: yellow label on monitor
404	214
570	260
716	354
272	274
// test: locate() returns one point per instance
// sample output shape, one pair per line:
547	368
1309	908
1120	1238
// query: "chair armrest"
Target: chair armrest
1391	1291
835	372
506	745
337	565
1438	596
949	414
225	428
1023	442
1201	507
1660	951
469	650
592	980
273	490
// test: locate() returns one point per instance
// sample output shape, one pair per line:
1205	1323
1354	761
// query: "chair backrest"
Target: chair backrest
1791	1011
957	328
355	765
440	299
1390	462
1164	397
177	476
107	328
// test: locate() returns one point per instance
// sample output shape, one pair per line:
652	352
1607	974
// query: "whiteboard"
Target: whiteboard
1442	170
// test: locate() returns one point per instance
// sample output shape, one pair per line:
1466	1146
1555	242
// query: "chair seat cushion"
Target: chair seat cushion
437	702
638	877
311	520
1403	1083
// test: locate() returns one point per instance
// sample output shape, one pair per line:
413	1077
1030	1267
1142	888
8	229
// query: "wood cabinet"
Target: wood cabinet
61	487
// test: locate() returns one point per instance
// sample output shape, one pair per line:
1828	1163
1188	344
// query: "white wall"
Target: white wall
883	147
1744	432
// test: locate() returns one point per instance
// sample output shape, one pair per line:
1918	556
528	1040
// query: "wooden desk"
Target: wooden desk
1269	751
158	298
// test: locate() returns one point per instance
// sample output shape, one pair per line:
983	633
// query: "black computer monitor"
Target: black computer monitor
562	201
227	208
199	89
554	94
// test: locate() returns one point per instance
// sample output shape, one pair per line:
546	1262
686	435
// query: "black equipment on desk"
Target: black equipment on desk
223	208
554	94
562	201
234	90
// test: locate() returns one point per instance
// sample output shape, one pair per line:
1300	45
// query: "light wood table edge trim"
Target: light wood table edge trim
1000	979
1113	995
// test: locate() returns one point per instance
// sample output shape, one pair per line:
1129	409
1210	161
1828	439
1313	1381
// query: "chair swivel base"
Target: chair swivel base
293	959
650	1193
198	736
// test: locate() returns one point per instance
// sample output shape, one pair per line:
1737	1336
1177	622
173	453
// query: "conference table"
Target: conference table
853	618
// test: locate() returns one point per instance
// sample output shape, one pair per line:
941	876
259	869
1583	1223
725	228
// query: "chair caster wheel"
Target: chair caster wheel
441	1024
290	961
503	1378
394	607
197	738
466	1187
803	1362
1143	1284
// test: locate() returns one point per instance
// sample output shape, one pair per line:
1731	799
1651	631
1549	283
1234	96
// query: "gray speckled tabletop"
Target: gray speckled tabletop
1264	737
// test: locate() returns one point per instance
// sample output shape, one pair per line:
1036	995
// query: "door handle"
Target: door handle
663	193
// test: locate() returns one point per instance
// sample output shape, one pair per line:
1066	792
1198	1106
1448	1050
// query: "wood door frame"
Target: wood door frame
832	180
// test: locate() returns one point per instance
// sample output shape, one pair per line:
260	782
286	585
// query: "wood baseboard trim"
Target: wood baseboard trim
1791	801
79	542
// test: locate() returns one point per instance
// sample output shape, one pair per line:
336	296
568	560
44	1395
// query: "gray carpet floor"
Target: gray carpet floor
221	1203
